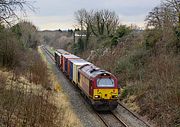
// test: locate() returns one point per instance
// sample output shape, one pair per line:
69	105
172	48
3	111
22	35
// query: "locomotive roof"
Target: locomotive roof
93	71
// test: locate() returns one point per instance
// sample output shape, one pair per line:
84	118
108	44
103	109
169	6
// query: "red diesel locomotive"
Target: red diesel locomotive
99	86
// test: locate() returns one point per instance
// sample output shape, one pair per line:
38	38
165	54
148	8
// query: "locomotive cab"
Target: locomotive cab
105	89
105	92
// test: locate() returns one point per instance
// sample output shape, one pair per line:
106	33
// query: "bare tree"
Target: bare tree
166	18
83	18
104	22
100	22
167	12
8	9
80	17
154	17
28	34
175	6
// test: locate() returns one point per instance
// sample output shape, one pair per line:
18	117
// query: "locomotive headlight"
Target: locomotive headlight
97	96
114	96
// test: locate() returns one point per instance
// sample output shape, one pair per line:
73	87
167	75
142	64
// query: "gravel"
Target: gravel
128	118
111	120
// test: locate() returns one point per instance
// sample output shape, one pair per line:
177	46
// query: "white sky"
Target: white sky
59	14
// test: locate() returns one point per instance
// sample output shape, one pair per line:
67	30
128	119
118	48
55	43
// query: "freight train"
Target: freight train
99	86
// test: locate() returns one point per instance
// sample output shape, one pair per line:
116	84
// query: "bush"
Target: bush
131	66
36	69
121	31
79	46
114	41
124	93
21	106
3	79
124	65
152	37
15	42
9	49
163	100
138	57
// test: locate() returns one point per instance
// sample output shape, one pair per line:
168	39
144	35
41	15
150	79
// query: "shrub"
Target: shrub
121	31
162	99
152	37
9	49
131	66
21	106
124	93
114	41
79	46
3	79
37	69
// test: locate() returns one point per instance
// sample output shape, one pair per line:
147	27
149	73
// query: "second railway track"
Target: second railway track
48	53
146	124
111	120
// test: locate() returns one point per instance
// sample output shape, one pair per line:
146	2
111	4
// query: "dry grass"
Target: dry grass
60	100
26	104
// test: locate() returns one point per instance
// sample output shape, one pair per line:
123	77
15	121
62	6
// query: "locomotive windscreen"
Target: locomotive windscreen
105	82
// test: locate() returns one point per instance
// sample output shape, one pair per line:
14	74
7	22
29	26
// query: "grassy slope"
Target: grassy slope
150	82
27	104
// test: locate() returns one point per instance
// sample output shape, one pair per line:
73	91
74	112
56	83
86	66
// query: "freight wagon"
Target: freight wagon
66	64
58	54
75	64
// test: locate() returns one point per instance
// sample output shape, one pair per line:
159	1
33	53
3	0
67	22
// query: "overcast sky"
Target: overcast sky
59	14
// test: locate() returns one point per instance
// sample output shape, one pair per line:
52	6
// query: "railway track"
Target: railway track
111	120
134	114
48	53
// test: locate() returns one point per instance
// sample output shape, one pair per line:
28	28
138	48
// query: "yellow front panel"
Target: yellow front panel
105	94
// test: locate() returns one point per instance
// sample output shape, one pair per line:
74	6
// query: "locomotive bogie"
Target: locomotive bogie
104	105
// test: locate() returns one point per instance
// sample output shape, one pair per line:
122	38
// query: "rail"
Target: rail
134	114
48	53
110	120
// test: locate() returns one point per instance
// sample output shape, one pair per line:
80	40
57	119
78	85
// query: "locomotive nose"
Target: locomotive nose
105	94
